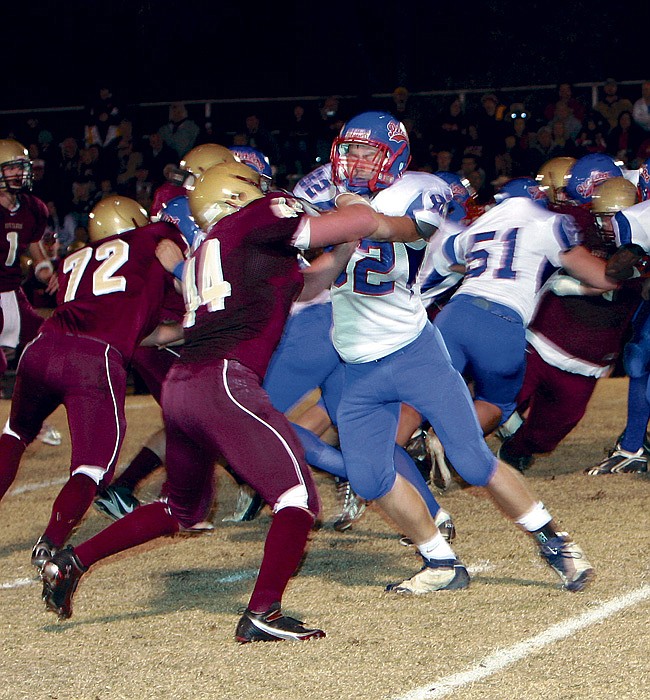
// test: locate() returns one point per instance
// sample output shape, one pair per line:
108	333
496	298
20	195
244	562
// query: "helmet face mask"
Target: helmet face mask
356	168
15	167
608	198
553	176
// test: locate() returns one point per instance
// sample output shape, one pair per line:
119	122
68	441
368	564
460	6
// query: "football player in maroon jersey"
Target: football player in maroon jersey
110	296
239	286
23	218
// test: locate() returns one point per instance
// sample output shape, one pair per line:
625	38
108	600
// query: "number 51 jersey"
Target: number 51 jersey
115	289
507	250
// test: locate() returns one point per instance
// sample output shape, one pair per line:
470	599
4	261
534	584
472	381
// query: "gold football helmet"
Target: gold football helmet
113	215
223	190
200	159
613	195
15	167
552	177
608	198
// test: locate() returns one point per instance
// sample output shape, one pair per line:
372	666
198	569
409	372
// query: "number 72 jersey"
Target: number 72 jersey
507	250
116	290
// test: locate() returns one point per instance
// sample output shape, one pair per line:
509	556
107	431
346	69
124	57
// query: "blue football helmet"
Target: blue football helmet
587	172
257	160
385	133
644	181
522	187
461	192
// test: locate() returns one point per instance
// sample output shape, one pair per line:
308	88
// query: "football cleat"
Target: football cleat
435	575
417	450
519	462
49	435
42	551
353	507
568	561
249	505
621	462
60	576
273	626
444	523
116	501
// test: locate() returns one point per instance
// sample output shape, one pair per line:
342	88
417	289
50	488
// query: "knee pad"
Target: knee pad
296	497
636	359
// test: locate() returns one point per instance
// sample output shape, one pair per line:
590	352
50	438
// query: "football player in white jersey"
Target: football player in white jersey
630	229
506	252
393	354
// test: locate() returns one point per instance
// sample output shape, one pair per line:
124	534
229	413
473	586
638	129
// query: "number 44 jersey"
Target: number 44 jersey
116	290
507	250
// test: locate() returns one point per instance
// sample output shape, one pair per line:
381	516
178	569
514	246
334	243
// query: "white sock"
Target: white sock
535	518
436	548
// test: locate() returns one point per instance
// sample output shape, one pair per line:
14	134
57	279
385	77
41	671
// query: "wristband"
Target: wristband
43	265
178	270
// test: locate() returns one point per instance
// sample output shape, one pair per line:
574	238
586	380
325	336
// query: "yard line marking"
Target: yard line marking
17	583
36	486
137	406
505	657
231	578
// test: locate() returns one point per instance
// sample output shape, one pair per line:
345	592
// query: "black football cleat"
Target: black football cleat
273	626
60	576
42	551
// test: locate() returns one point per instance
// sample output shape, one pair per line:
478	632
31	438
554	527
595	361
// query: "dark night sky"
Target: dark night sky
55	53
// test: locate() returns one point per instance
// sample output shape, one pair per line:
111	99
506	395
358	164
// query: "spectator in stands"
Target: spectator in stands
156	154
180	133
565	97
450	129
591	138
564	114
543	149
624	140
260	138
327	127
611	105
298	144
641	108
128	162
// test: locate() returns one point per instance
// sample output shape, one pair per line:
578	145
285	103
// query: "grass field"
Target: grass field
158	622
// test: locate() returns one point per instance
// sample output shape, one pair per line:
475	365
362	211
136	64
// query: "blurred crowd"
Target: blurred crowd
487	140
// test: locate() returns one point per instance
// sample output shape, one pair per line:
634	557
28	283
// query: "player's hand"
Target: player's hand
621	266
52	284
169	254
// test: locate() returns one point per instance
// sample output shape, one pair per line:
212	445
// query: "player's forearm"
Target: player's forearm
581	264
321	274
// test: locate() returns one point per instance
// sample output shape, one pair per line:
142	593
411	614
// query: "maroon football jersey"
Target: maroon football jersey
19	228
113	289
166	192
240	284
590	328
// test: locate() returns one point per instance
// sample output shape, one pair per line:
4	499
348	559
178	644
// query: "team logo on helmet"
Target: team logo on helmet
536	192
358	134
586	189
396	131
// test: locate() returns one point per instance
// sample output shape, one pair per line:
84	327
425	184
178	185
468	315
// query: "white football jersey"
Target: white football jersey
436	275
376	301
632	225
317	187
507	249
